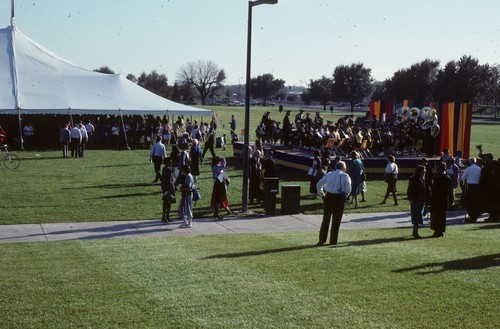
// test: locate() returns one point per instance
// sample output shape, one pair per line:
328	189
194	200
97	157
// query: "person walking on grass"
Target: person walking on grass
391	178
219	191
338	187
416	194
209	144
156	156
64	138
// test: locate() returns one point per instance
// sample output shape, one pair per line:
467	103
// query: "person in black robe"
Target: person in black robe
255	177
286	129
167	189
441	199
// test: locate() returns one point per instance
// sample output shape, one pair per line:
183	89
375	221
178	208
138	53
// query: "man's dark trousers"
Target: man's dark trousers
333	209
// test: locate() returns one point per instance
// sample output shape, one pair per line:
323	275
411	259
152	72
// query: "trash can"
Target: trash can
290	199
218	142
271	189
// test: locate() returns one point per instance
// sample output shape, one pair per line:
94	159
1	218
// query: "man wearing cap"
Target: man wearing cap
338	187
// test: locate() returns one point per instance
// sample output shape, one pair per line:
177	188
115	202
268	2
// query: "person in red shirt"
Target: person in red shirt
2	135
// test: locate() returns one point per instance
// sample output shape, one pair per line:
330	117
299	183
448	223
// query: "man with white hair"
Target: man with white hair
84	140
472	176
338	187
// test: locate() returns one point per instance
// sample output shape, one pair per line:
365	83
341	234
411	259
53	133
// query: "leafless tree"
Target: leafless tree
203	75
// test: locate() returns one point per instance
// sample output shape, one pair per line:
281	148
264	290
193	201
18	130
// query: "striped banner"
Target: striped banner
455	121
375	109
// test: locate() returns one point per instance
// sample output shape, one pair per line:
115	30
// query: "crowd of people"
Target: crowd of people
397	135
181	167
108	132
431	190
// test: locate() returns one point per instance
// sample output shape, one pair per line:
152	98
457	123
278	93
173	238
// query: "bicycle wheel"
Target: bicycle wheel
11	161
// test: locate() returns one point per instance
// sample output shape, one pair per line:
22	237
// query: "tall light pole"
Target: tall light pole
246	138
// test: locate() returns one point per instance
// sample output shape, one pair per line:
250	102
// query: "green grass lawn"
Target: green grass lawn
115	185
377	279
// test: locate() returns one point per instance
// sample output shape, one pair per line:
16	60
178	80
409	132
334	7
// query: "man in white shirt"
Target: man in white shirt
472	176
338	186
90	133
28	133
76	139
84	140
158	152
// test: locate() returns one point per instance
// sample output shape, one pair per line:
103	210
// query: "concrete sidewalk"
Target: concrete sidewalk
204	226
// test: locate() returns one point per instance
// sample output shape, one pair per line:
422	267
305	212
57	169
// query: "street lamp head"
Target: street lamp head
266	2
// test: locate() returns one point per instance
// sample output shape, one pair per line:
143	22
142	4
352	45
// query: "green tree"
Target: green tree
496	84
416	82
205	76
464	81
105	70
155	82
182	92
352	83
131	77
266	86
320	90
382	90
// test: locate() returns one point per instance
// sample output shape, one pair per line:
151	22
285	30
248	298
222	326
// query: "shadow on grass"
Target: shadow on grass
473	263
286	249
109	186
259	252
129	195
42	158
121	165
487	227
84	231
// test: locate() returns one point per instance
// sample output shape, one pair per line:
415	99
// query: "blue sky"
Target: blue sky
295	40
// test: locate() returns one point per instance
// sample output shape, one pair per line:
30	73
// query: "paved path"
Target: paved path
150	228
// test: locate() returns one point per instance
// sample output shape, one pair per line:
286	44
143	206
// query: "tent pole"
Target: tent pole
12	11
19	120
71	118
124	131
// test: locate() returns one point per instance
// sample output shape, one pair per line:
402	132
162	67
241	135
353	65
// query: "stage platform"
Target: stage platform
299	161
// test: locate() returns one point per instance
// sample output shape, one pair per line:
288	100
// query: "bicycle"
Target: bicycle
11	161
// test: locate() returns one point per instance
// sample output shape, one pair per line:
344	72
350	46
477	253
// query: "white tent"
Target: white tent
36	81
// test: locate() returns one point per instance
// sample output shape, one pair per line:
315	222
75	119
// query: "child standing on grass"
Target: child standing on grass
186	182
